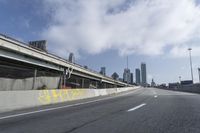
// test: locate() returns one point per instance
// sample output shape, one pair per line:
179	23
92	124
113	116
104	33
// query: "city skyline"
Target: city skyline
107	43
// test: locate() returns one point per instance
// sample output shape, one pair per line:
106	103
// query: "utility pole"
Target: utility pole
180	79
127	62
190	49
199	74
127	70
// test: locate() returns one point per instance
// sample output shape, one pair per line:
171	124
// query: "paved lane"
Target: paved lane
146	110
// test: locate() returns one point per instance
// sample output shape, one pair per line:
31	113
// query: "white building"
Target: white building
127	75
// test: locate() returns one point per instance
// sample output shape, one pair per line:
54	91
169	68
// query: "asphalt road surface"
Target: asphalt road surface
145	110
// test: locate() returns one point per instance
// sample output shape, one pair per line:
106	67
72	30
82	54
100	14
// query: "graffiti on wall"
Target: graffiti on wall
53	96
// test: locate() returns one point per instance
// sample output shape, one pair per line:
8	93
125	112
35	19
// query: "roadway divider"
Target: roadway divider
13	100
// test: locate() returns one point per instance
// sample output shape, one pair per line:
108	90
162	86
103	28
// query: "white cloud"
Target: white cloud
143	26
182	51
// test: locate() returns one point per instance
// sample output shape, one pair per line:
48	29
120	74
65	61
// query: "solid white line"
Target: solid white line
137	107
61	107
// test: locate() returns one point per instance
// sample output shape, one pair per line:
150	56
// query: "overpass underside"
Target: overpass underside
17	75
25	68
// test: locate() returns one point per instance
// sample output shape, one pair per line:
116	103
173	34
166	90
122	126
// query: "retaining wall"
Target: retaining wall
12	100
194	88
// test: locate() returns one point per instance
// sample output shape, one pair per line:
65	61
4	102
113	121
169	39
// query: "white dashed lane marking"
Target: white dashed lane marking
137	107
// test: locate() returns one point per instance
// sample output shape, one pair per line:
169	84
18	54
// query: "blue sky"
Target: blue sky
104	32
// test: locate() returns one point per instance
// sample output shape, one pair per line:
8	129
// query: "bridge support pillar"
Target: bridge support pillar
96	85
64	79
82	83
104	85
34	79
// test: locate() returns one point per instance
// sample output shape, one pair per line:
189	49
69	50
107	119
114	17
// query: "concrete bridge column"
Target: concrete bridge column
82	82
104	85
86	83
34	79
96	84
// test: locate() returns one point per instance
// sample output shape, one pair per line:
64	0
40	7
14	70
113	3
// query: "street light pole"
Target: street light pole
127	61
180	79
190	49
199	74
127	70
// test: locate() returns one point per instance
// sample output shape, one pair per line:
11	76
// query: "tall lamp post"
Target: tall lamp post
199	74
179	79
127	80
190	49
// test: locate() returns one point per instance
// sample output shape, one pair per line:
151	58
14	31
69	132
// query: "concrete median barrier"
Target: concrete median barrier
13	100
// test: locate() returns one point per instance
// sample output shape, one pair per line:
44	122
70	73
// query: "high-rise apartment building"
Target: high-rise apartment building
103	71
137	76
144	74
127	75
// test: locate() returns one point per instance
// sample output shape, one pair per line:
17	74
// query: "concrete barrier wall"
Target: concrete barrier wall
195	88
12	100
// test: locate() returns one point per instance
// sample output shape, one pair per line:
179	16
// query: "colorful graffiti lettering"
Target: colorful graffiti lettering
53	96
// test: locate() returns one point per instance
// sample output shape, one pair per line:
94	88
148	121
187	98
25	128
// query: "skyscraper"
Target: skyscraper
137	76
115	76
103	71
127	75
131	78
71	58
144	74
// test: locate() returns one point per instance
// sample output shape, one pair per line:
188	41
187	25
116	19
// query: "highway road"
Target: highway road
145	110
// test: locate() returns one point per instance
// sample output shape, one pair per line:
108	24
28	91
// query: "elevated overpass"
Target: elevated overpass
14	53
